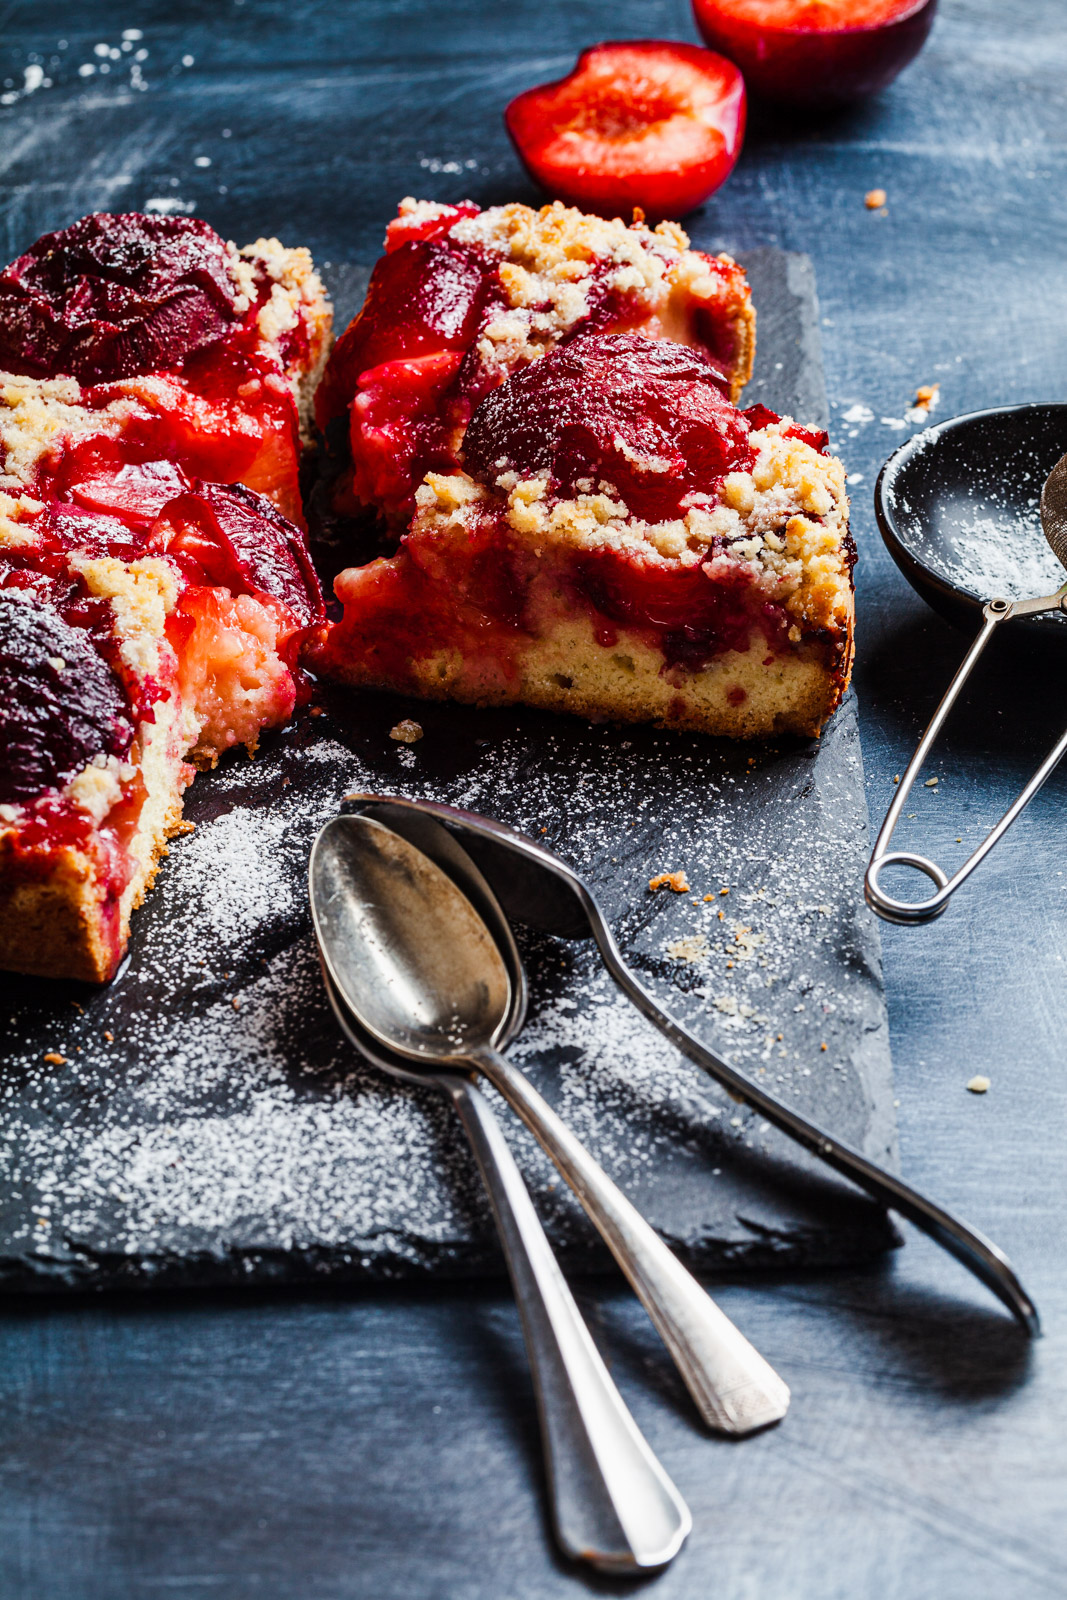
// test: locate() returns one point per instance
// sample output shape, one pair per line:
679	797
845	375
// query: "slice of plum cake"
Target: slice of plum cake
156	593
624	543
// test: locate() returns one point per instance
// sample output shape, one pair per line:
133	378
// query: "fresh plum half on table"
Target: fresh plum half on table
640	123
816	53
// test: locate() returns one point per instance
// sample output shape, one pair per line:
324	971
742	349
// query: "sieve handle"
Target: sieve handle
908	912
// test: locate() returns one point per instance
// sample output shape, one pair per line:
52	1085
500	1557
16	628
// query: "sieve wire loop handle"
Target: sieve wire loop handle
909	912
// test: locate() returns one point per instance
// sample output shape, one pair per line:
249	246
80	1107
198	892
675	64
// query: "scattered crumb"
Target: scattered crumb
748	941
693	948
977	1085
896	777
76	1006
670	880
708	897
931	783
822	1047
315	711
109	1036
236	1003
408	732
724	891
926	397
874	199
54	1058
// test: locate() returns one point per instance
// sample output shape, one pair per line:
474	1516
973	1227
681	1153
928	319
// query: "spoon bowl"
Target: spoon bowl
613	1505
414	960
959	508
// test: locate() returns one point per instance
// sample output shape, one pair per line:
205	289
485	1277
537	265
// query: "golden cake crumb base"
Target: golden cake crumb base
566	669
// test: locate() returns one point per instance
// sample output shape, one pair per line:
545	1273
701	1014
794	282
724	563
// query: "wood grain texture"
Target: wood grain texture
290	1447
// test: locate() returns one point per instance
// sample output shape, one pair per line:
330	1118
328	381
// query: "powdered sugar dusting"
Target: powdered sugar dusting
987	542
226	1123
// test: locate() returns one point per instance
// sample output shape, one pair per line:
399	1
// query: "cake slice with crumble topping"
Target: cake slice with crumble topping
465	298
155	589
624	543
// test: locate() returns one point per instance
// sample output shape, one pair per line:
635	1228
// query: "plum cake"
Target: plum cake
156	594
622	542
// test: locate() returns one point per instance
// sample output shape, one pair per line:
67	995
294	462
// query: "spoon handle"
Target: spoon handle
735	1389
612	1503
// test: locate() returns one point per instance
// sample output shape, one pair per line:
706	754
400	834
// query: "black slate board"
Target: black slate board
209	1126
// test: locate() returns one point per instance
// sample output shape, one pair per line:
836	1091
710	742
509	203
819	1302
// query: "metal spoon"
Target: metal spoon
536	887
425	976
612	1503
921	475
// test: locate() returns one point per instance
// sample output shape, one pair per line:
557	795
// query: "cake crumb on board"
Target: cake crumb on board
670	880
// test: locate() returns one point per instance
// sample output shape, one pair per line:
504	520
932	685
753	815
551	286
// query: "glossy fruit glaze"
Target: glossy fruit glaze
641	123
816	53
224	540
647	418
408	370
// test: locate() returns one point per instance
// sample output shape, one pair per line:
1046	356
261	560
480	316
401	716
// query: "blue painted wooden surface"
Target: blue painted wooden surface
383	1445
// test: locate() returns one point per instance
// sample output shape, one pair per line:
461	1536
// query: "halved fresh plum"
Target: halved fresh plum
113	296
817	53
637	123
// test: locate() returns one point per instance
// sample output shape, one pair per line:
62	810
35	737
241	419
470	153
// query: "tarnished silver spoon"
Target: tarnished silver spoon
419	969
613	1504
